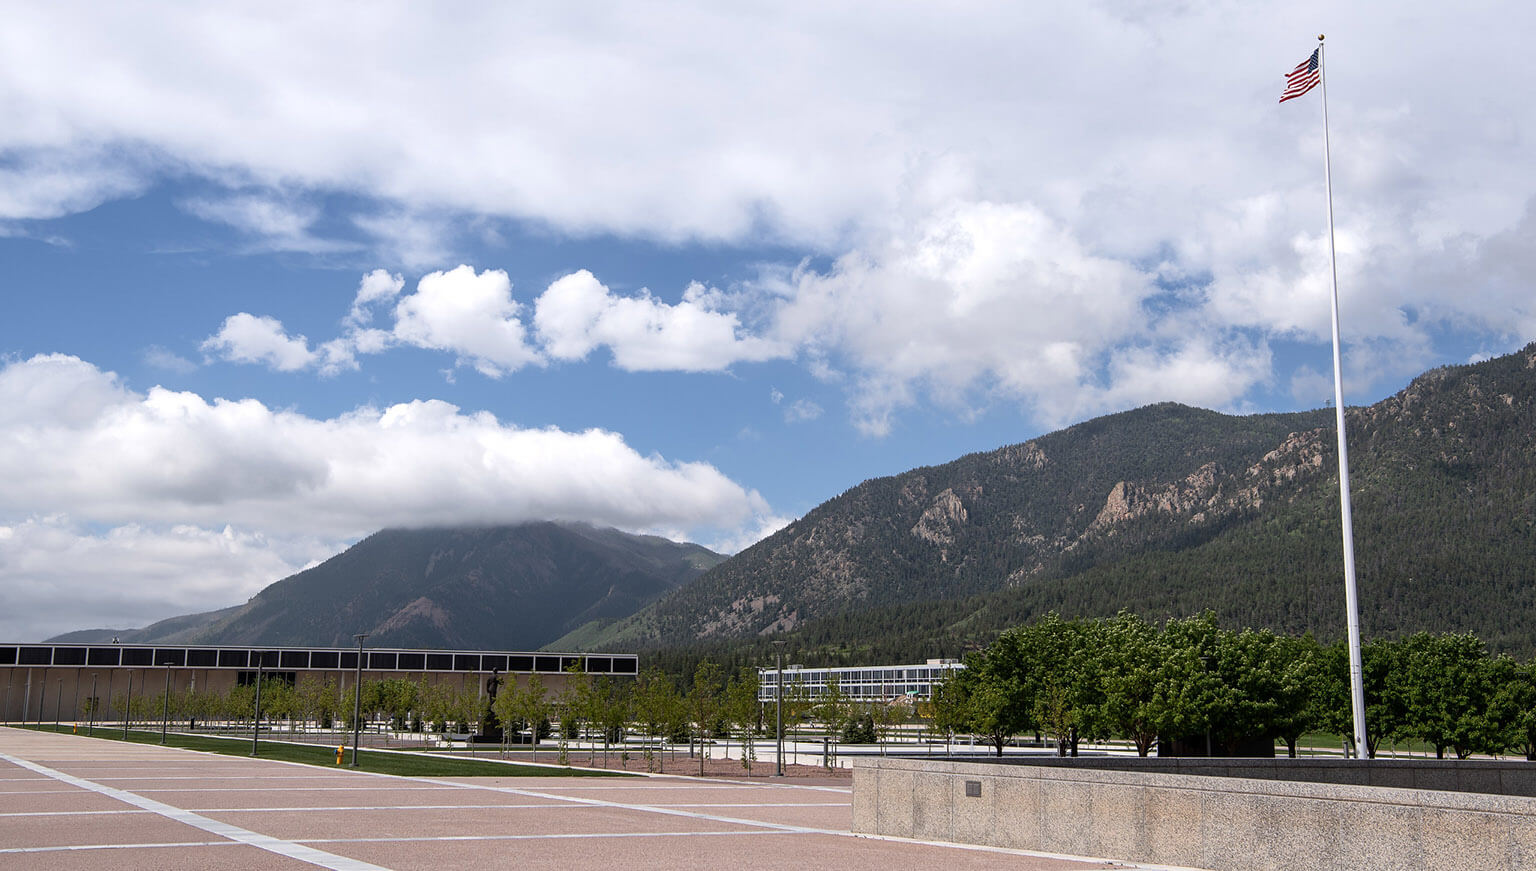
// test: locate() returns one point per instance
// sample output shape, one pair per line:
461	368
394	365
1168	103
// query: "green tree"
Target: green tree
832	707
657	705
704	702
741	707
1512	705
1067	678
1132	662
1189	693
994	694
535	708
1442	681
1298	689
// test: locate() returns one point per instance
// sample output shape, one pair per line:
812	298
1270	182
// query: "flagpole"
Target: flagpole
1351	598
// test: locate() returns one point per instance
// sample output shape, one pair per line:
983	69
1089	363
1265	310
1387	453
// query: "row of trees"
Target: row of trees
1123	677
406	704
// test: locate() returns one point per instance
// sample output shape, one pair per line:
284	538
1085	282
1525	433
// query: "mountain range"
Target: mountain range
1165	511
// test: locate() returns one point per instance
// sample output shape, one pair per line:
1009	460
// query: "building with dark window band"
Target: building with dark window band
42	679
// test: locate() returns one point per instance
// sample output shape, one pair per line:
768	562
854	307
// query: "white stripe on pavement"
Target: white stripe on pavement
225	830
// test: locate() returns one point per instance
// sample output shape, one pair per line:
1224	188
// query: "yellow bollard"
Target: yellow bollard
340	748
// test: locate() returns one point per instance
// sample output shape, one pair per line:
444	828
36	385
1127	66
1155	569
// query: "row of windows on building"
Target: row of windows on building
883	682
133	656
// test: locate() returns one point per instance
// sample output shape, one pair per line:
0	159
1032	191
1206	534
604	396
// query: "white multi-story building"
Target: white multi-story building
861	683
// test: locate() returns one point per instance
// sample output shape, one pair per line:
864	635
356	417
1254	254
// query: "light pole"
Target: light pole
90	725
42	703
165	714
256	720
127	705
58	702
357	699
778	710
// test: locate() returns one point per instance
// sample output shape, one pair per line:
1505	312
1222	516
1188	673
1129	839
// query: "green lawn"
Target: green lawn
381	762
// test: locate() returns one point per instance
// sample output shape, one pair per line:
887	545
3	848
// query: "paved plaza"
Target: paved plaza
69	802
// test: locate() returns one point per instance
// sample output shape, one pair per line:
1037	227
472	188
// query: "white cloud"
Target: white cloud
57	576
984	292
274	222
859	133
246	338
411	239
748	536
170	361
71	178
378	286
577	314
471	315
89	448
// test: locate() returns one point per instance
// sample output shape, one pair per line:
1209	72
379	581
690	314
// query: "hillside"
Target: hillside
1165	510
507	587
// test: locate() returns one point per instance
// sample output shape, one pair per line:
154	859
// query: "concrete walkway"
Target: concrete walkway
81	803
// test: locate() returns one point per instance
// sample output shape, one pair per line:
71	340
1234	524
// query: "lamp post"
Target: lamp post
357	699
165	714
778	711
42	702
127	705
58	702
90	726
256	720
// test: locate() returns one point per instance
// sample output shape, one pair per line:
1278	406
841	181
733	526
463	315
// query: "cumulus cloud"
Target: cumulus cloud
247	338
57	576
469	314
90	448
577	314
473	316
377	287
984	292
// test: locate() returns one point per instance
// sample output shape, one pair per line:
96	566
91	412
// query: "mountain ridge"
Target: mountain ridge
1151	504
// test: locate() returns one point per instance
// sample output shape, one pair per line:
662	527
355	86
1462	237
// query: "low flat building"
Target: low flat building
45	681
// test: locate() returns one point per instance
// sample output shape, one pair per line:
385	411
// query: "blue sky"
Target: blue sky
278	276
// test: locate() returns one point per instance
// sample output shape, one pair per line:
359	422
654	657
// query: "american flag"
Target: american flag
1302	79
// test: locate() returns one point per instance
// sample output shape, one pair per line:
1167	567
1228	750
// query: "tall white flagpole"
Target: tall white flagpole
1351	599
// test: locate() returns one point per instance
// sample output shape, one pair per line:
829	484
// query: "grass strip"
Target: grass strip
380	762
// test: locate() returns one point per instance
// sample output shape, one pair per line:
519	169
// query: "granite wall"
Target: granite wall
1192	820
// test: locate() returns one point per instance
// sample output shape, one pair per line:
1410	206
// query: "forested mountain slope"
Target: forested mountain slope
1165	510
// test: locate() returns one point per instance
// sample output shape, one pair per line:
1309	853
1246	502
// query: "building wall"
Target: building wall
39	693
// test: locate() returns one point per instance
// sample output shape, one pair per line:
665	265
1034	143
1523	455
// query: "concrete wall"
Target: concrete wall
1196	821
1454	775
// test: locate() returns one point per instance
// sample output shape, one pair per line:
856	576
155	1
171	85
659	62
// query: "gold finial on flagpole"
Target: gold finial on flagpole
1319	37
